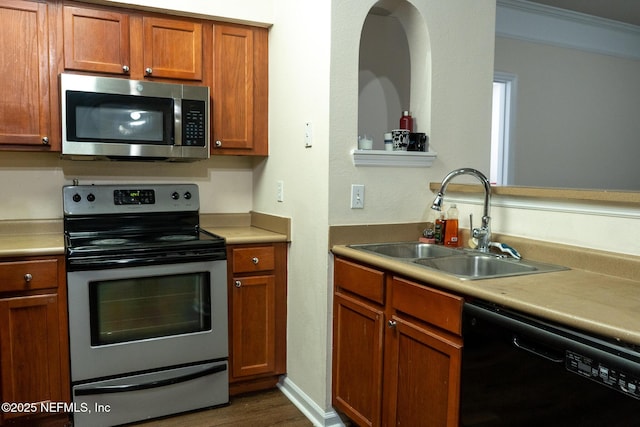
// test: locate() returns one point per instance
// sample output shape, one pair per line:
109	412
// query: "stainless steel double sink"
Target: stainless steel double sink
463	263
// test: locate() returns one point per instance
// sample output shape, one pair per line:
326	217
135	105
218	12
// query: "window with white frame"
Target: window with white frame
502	122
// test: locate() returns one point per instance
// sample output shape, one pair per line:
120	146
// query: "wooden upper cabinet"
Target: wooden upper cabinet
25	121
96	40
240	90
101	40
172	48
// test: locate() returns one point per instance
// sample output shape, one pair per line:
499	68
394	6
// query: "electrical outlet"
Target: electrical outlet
357	196
280	191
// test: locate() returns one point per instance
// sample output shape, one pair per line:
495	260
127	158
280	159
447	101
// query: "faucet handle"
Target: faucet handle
504	248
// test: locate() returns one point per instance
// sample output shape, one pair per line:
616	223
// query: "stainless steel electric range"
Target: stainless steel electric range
147	300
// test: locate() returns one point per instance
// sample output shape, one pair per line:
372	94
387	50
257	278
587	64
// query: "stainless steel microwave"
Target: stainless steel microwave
120	119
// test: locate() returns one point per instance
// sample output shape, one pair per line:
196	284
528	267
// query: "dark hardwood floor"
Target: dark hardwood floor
261	409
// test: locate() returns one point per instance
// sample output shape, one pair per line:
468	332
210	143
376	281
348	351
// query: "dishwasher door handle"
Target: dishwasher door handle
544	354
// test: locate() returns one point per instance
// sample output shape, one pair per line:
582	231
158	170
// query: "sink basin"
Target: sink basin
465	264
410	250
473	267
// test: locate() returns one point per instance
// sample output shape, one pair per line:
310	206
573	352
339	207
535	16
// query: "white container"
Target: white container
365	143
388	141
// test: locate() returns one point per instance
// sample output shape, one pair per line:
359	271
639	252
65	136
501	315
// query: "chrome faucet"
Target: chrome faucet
482	234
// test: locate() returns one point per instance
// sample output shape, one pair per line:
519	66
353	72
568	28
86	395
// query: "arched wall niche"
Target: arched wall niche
394	70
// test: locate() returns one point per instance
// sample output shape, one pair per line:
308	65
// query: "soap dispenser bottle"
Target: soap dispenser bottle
451	229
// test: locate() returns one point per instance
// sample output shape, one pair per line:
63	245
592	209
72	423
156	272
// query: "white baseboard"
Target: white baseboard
310	409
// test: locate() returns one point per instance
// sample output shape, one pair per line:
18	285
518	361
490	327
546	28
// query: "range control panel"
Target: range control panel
118	199
597	371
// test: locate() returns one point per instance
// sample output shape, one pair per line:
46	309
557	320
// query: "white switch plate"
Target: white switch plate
357	196
308	135
280	191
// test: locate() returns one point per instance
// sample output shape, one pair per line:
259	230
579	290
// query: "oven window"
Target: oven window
119	118
149	307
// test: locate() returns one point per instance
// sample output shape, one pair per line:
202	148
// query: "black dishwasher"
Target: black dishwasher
520	371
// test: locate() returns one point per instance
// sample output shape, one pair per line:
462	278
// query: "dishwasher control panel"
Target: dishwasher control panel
597	371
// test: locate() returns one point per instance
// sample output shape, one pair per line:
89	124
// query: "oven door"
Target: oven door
139	319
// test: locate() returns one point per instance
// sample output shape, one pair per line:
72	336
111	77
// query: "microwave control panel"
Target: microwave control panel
193	123
601	373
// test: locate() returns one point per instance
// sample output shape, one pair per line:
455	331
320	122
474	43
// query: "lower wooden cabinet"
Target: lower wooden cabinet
358	330
422	374
34	358
257	315
397	349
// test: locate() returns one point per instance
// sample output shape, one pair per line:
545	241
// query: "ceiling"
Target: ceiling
627	11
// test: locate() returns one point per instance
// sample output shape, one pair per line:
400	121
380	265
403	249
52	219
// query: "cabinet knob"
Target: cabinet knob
148	70
392	323
238	283
28	277
45	140
255	260
218	143
125	69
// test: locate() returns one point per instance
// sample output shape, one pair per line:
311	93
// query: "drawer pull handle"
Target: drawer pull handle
28	277
148	71
238	283
255	260
392	323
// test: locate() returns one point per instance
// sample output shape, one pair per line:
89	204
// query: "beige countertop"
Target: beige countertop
602	304
242	235
252	227
31	238
45	237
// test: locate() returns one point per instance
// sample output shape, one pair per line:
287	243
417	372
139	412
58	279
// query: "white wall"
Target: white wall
576	116
32	182
299	66
451	72
384	78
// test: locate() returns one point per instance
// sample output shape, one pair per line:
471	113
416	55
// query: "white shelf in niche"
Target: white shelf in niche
393	158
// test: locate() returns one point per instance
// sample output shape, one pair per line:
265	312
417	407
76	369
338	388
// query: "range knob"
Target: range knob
187	195
175	195
91	197
76	198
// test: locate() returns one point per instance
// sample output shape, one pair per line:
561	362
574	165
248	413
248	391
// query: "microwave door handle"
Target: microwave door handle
152	384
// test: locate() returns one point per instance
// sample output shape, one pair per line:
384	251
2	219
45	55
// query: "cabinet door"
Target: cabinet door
96	40
24	60
240	91
29	350
422	376
358	330
172	48
253	332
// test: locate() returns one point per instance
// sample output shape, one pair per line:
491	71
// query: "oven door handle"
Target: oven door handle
123	388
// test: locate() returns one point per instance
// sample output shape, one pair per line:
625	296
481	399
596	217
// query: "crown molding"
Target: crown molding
539	23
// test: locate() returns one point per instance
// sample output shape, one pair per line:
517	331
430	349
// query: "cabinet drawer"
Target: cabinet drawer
26	275
251	259
430	305
361	280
